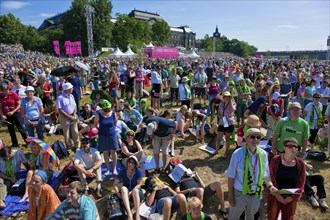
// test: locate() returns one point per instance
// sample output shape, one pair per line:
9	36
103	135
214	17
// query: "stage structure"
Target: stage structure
89	13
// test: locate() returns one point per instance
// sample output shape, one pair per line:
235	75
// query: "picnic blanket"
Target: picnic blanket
12	202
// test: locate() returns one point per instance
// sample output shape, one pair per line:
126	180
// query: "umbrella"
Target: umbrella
82	65
103	94
53	159
63	71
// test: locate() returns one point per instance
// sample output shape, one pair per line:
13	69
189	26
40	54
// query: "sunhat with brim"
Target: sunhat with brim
290	141
67	86
295	105
29	88
184	79
253	121
226	94
132	158
253	131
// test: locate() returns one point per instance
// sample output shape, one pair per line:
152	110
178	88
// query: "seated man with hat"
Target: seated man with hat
88	163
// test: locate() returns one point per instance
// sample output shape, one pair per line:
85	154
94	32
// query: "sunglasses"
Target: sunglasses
317	97
108	110
130	135
291	146
255	136
131	162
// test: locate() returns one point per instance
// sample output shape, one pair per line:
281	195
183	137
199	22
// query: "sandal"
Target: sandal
224	214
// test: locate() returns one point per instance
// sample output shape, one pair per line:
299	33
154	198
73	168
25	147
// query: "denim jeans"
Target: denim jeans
39	128
96	84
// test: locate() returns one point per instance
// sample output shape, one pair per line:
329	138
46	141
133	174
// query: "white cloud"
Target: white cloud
46	15
287	26
12	5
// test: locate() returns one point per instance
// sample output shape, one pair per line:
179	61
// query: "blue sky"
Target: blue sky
268	25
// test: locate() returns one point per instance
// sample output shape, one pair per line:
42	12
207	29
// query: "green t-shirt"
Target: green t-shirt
241	90
286	128
104	76
131	101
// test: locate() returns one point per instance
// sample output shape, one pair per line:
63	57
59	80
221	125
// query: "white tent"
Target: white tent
117	53
129	52
150	45
192	54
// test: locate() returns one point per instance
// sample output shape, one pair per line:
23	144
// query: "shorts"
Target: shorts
228	129
155	92
141	195
113	93
161	142
200	91
160	205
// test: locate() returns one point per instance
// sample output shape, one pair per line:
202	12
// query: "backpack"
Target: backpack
60	150
316	155
115	209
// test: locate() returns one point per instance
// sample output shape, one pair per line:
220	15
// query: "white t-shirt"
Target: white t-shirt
308	109
88	160
155	78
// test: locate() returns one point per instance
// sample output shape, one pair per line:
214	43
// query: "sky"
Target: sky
282	25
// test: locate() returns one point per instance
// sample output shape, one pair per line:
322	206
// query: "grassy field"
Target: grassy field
210	168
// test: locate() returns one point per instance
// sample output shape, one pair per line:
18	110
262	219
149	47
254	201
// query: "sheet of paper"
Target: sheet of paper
207	148
287	191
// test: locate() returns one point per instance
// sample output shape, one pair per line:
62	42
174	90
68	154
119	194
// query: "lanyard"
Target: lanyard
224	108
254	167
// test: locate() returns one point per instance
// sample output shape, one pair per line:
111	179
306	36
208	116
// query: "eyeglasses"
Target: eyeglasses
254	137
291	146
317	97
130	135
107	110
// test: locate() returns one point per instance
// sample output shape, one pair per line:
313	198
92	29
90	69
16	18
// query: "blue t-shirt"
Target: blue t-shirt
130	182
31	110
165	126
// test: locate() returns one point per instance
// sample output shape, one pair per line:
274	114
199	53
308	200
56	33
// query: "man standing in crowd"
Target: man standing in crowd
88	163
200	79
291	126
77	89
161	130
247	171
67	109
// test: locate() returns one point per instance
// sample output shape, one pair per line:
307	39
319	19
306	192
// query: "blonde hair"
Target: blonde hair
194	202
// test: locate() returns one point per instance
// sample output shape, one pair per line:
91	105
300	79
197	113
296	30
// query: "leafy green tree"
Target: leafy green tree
75	28
103	25
11	29
239	48
49	36
161	32
31	40
130	31
207	44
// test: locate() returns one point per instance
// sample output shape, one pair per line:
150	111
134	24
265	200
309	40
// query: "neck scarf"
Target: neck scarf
319	116
248	181
187	91
9	168
201	217
201	78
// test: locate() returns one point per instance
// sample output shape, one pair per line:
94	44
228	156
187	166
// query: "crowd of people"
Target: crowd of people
284	102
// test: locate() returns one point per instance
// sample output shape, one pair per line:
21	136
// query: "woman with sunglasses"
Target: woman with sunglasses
313	115
106	120
131	177
131	147
286	172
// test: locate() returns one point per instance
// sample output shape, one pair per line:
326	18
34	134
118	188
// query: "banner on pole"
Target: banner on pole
67	45
56	45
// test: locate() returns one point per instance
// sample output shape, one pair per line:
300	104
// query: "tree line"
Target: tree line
124	31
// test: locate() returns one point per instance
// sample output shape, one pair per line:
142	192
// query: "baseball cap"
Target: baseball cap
151	128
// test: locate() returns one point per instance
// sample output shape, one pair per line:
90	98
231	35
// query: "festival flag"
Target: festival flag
56	44
78	44
53	159
67	45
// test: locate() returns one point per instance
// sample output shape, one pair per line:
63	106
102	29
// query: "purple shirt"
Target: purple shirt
66	103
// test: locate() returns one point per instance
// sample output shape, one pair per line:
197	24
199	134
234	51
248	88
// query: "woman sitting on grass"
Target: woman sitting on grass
10	165
183	119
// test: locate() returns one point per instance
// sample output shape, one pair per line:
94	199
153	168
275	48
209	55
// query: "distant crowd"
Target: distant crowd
272	111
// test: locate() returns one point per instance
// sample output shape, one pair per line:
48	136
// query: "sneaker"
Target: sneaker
313	201
323	203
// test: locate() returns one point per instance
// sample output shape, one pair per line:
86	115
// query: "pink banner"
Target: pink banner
161	52
56	45
78	44
67	45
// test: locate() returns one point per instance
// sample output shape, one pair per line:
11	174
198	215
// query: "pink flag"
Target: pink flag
67	45
56	44
78	44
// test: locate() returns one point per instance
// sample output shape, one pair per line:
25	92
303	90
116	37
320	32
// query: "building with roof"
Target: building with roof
183	37
151	18
217	35
52	23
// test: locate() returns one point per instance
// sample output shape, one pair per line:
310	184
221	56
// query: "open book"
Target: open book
287	191
178	172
